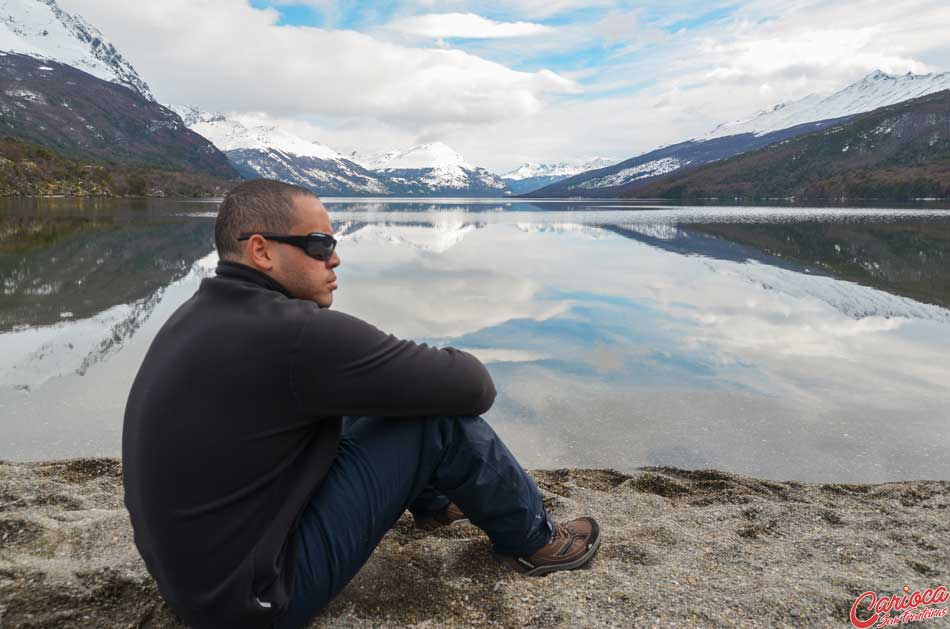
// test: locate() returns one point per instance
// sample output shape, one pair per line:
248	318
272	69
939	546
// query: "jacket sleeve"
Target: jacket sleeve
345	366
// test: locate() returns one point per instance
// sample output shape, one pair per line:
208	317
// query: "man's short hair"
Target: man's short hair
258	205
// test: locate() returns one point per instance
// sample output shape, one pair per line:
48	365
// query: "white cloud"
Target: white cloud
227	55
363	92
618	27
697	79
523	8
806	51
465	25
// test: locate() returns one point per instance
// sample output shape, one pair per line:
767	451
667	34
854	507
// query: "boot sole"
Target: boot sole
547	569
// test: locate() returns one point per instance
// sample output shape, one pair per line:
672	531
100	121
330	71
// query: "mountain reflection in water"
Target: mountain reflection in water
74	268
765	343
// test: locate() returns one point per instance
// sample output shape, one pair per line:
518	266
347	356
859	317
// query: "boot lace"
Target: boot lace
562	531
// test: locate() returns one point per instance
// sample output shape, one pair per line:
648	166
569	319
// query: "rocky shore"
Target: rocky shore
681	549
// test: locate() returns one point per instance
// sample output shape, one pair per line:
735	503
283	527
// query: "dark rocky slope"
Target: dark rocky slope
895	153
636	173
81	116
326	177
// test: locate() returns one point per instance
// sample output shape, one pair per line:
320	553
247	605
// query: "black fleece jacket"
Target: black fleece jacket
233	420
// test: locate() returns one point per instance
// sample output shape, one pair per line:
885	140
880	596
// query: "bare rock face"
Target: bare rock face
681	548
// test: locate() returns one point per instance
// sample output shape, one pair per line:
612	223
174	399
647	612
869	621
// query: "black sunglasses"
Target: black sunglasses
315	245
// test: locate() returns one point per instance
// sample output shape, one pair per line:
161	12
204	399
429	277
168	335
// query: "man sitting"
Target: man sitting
253	499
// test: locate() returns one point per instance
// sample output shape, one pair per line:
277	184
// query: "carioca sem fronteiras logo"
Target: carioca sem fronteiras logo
882	607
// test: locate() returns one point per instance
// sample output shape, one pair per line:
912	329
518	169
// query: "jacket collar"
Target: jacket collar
236	270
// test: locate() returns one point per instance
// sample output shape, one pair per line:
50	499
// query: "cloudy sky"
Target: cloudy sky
509	82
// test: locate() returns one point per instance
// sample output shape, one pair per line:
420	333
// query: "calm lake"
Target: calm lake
808	344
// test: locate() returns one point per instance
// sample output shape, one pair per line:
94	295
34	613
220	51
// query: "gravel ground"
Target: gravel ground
680	548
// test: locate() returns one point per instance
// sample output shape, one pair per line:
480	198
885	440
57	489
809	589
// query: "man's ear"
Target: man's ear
258	252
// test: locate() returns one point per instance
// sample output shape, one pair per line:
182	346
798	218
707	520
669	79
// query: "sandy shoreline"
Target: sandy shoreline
681	548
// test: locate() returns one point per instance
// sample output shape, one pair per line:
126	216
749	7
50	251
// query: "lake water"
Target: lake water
809	344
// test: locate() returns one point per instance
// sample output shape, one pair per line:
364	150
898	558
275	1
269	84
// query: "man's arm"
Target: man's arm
345	366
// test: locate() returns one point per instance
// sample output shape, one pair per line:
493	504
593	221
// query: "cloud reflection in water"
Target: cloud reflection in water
612	341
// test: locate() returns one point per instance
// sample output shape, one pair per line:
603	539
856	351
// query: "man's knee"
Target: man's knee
459	429
461	418
460	421
431	431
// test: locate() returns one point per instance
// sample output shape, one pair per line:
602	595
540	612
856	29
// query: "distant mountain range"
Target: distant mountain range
877	89
636	172
433	169
63	86
259	148
781	123
531	175
898	152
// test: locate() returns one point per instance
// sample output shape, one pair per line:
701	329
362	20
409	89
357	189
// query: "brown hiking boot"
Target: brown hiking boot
572	545
448	516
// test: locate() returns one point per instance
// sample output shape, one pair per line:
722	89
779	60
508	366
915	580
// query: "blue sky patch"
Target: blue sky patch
700	20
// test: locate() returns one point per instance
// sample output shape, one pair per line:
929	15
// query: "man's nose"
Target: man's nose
334	260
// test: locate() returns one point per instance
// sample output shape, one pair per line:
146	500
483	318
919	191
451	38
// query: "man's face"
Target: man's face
303	276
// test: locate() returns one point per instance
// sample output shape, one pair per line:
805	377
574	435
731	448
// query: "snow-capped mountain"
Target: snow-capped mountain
532	175
877	89
653	168
892	153
244	131
260	148
529	170
435	155
654	165
371	161
782	122
65	87
41	29
434	168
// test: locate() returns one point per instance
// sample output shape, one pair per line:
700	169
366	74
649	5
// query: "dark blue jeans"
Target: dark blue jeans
385	465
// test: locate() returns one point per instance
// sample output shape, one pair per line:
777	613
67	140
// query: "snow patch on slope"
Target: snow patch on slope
259	146
558	169
322	176
433	155
263	147
436	167
249	131
877	89
621	177
41	29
